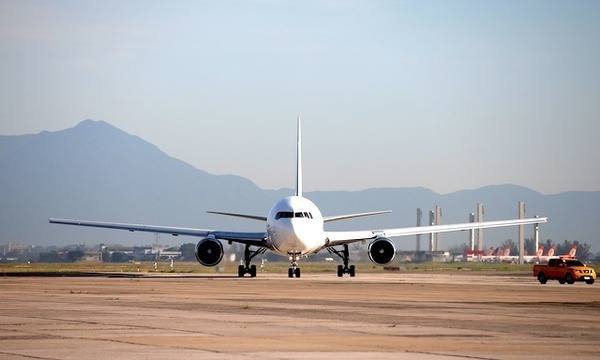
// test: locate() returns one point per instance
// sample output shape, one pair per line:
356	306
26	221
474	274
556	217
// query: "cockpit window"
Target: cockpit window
284	214
289	214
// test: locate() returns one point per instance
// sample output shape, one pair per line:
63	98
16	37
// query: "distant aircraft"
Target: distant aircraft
295	228
504	255
490	254
544	258
535	257
571	253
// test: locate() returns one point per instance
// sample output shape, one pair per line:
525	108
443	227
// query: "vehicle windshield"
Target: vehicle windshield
574	263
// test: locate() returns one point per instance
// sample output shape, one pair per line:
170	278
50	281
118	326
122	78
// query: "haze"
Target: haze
444	95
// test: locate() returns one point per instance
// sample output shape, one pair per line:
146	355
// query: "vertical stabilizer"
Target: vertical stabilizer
299	161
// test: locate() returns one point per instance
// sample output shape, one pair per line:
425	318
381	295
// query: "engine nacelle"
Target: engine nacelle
209	251
382	251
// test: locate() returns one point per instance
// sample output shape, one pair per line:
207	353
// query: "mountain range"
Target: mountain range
96	171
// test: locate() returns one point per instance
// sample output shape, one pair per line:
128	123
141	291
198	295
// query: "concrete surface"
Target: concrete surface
319	316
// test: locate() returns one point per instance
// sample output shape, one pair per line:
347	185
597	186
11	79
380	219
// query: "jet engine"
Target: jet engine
209	251
382	251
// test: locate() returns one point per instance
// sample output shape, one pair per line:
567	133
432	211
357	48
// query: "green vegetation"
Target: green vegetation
270	267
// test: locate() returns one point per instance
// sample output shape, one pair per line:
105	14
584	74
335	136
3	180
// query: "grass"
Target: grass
271	267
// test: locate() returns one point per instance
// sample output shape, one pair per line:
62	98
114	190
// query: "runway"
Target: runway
319	316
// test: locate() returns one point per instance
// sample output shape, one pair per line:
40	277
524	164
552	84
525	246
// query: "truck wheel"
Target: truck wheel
542	278
561	281
569	278
589	282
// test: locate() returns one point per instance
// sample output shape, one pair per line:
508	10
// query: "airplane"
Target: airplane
504	255
535	257
491	254
295	228
544	258
571	253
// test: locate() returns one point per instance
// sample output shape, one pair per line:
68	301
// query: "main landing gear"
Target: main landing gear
294	270
248	256
345	256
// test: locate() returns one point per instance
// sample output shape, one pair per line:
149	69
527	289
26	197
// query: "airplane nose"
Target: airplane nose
301	232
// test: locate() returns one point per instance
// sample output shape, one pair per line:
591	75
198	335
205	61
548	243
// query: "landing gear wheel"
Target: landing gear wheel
294	272
352	271
345	256
248	256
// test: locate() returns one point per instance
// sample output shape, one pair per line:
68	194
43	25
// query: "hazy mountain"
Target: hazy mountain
96	171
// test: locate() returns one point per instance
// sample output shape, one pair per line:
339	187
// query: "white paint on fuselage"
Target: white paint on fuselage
295	235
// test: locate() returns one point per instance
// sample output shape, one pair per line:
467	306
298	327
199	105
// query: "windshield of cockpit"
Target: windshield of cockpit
289	215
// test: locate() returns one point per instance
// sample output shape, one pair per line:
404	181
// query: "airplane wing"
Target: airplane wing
252	217
346	237
251	238
351	216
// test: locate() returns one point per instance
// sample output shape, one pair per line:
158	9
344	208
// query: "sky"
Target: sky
447	95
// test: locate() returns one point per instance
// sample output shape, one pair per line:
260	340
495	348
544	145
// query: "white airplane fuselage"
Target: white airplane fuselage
295	227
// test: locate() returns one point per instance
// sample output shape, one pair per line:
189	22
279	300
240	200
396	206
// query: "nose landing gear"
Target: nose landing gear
294	270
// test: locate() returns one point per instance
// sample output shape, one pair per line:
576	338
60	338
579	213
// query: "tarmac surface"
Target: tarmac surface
319	316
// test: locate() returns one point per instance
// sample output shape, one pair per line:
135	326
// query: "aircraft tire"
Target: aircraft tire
340	271
352	271
253	270
297	272
241	271
290	273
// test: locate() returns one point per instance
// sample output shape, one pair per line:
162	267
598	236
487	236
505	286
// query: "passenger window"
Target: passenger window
299	215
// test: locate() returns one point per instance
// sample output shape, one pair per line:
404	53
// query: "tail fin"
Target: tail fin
299	161
540	251
573	251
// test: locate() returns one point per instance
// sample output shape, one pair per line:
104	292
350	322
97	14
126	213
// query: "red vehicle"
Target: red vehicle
565	270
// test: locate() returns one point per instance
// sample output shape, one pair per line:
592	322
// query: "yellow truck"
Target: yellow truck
565	270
